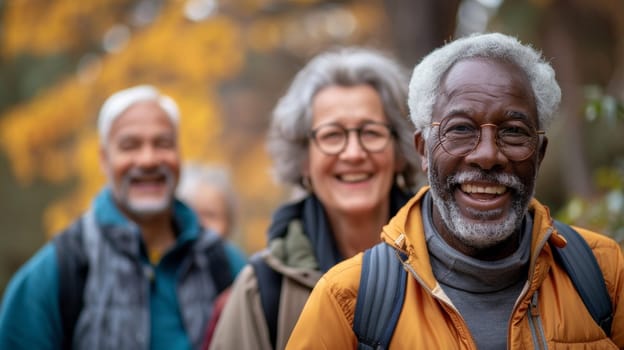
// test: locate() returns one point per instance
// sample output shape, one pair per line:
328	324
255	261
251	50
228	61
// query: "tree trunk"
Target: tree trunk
559	45
420	26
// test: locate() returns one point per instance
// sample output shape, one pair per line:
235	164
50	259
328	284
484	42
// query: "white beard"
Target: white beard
147	206
478	235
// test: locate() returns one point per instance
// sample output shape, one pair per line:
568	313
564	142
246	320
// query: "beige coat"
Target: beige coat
242	324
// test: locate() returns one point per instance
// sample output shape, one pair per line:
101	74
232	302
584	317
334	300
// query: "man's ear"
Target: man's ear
103	159
419	144
541	152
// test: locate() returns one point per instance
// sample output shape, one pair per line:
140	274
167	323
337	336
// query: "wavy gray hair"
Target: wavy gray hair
426	78
288	140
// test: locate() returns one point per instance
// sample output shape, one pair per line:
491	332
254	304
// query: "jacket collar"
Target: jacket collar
108	214
311	213
405	231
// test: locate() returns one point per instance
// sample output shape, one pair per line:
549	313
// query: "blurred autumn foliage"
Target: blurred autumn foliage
227	62
52	138
224	63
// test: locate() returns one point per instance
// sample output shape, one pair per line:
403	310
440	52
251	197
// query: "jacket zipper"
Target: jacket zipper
411	270
533	303
535	324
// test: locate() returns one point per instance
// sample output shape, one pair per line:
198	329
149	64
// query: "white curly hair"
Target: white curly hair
426	77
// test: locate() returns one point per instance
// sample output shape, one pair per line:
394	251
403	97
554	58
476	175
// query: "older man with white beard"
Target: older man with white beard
136	271
477	246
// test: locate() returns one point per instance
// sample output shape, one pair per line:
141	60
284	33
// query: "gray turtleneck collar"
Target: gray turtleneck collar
484	292
460	271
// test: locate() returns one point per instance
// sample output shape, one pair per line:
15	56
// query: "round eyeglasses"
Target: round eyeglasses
459	136
332	138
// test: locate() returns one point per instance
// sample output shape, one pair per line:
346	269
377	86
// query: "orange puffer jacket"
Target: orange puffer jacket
549	312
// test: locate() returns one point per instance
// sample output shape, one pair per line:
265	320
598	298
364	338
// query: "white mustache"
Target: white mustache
507	180
161	170
137	173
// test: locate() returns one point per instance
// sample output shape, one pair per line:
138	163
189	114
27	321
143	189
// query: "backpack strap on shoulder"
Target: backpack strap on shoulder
580	263
73	269
270	287
219	265
380	297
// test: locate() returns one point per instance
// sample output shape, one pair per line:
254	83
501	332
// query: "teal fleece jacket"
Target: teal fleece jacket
30	316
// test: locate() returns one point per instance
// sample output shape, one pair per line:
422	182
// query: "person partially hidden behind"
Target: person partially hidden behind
208	190
146	273
476	244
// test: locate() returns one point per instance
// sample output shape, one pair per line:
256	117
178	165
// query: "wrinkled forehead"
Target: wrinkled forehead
487	79
485	70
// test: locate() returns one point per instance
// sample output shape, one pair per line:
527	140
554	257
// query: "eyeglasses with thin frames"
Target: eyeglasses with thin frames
459	136
333	138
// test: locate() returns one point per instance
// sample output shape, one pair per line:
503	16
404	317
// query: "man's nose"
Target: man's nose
147	157
486	154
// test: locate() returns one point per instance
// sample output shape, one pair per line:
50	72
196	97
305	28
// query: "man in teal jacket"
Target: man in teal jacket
146	270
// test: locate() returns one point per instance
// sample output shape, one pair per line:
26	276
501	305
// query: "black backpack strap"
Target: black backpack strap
73	269
270	286
380	297
217	259
580	263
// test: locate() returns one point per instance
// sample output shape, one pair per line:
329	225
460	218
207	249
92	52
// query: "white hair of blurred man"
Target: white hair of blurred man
117	103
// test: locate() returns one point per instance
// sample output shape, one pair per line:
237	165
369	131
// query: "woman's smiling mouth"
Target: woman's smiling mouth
354	177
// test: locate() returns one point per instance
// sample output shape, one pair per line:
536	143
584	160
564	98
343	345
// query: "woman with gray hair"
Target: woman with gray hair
342	135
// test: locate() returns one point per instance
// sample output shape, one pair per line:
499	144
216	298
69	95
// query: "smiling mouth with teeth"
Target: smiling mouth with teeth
147	182
474	189
353	177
